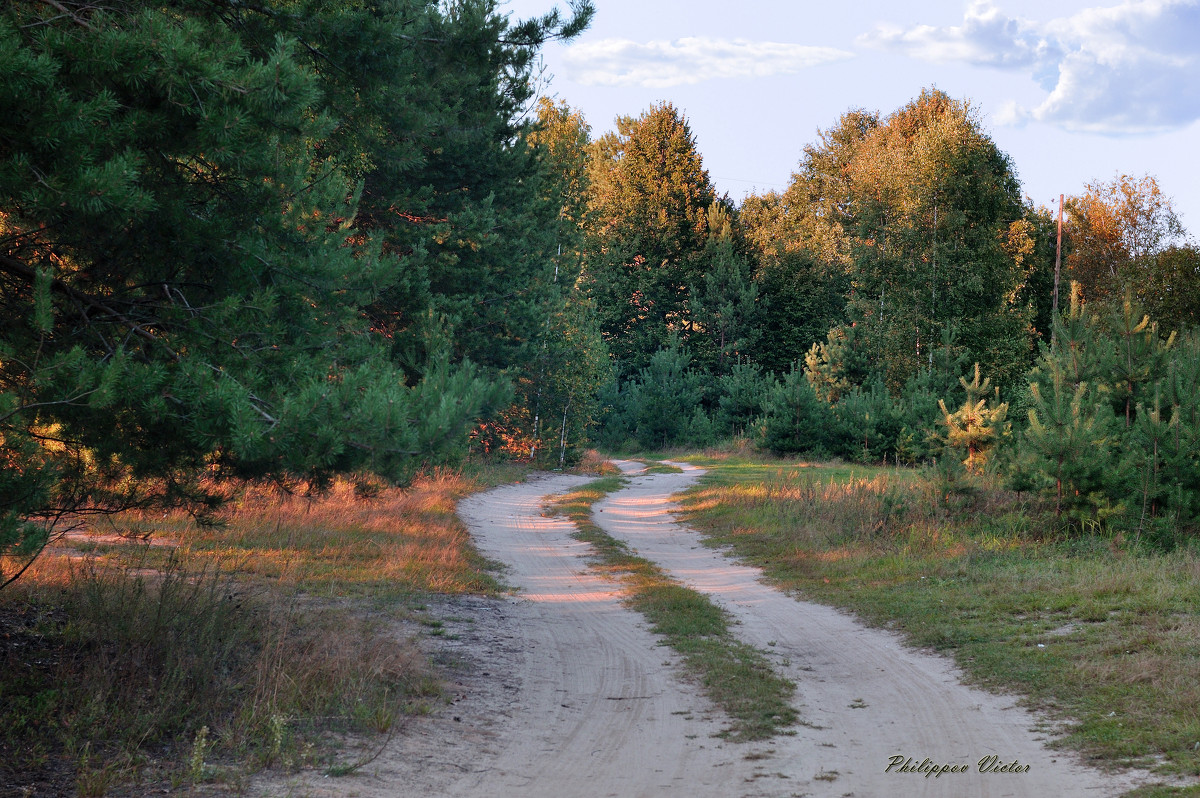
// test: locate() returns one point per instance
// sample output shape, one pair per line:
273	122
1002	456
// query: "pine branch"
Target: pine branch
71	401
26	272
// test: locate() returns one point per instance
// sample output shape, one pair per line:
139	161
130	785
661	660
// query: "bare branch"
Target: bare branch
57	6
20	269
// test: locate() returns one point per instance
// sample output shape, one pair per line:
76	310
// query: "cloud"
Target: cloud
658	64
1128	68
986	38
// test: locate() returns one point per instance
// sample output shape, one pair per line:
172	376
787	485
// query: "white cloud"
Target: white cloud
1129	68
658	64
986	38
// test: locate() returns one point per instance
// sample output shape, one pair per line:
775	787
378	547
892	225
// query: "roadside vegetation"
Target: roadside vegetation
166	653
1099	630
737	677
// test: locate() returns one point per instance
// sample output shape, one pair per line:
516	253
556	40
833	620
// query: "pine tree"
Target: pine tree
723	308
665	397
1180	452
838	364
1069	449
240	218
1138	358
870	423
1070	445
740	402
795	419
974	427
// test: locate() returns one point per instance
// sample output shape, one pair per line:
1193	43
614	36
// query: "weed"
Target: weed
200	745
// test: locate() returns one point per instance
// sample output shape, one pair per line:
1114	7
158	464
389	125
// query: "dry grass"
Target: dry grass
112	673
345	541
595	463
212	648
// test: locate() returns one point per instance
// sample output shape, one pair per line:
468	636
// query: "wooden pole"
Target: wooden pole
1057	269
1058	253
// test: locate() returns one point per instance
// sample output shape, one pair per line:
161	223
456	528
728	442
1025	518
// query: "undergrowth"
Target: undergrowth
166	652
120	675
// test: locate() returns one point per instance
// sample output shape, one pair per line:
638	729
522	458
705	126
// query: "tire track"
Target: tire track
601	710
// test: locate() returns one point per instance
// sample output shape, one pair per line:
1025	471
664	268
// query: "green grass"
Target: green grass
737	677
1091	629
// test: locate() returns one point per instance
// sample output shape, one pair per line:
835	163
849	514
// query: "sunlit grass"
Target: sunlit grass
389	543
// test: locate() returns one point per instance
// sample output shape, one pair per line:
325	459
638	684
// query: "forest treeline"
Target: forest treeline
298	238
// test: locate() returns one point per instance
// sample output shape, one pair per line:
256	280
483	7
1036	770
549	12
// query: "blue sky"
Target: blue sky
1072	91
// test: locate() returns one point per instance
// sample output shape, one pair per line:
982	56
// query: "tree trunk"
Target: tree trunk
562	439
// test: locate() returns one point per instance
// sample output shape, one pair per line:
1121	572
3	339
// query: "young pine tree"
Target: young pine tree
1069	449
796	419
1137	358
975	428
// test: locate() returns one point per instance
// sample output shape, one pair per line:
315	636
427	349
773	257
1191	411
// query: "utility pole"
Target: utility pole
1057	270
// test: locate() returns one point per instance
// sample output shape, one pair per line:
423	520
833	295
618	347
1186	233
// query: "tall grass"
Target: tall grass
113	673
1096	630
216	647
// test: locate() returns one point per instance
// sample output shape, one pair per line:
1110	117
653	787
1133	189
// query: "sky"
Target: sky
1073	90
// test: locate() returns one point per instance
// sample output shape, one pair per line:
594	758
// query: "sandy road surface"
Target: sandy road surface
561	691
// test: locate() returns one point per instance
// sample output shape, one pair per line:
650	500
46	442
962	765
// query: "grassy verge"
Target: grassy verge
211	651
1093	630
736	676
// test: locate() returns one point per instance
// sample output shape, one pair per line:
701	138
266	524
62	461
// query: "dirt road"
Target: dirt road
562	692
864	696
